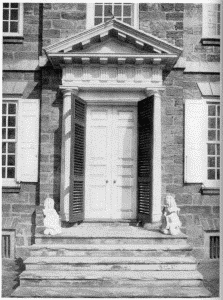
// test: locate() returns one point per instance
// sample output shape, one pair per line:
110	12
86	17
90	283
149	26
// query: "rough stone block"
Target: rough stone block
168	120
47	6
33	20
174	34
6	207
46	168
186	220
179	6
176	16
179	26
26	55
52	33
51	15
45	138
174	91
213	57
198	210
26	187
22	252
143	7
183	199
216	210
62	24
198	252
76	15
23	208
197	220
20	241
179	140
65	6
47	24
167	7
197	199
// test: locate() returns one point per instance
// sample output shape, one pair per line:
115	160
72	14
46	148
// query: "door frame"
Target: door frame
115	104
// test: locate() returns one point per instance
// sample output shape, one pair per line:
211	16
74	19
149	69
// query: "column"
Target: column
157	175
65	153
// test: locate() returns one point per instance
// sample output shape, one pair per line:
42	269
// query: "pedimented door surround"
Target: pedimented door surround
66	145
111	63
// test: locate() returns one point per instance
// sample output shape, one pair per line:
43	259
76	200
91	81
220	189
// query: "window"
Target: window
8	244
202	142
9	139
98	13
211	20
20	137
213	144
212	245
12	19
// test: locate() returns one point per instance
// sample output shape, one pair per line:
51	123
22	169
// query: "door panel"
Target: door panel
124	162
97	167
111	162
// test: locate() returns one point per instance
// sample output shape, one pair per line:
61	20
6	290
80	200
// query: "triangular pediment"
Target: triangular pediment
113	29
112	42
111	46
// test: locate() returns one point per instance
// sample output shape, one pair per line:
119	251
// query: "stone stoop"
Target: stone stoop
94	262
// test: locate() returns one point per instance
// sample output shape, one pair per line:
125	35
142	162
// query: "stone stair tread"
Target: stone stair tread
109	275
110	247
108	232
114	292
109	260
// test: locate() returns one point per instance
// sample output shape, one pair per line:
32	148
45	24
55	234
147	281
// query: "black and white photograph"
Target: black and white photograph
111	149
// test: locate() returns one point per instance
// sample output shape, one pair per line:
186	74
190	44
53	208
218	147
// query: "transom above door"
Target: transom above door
111	162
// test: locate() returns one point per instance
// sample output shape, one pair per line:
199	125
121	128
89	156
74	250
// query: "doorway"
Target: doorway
111	162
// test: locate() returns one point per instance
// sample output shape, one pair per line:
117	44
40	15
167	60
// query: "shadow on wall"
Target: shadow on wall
57	151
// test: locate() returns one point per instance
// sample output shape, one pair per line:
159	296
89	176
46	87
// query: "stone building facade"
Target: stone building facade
29	74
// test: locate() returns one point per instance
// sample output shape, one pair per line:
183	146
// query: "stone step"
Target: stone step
110	275
111	260
109	283
115	292
108	250
111	263
113	247
111	240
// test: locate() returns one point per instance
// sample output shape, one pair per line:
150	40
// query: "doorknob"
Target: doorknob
114	181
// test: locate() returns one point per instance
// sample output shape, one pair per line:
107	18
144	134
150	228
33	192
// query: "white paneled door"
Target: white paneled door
111	162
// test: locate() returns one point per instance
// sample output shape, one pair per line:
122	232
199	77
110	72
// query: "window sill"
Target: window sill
13	39
210	191
10	186
10	189
210	41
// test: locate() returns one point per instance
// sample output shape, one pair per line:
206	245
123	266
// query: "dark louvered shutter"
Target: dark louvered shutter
77	160
145	158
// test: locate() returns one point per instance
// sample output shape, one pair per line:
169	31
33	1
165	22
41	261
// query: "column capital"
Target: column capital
68	91
154	91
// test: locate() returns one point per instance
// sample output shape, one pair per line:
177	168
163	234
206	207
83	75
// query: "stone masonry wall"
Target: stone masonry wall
193	49
164	20
20	63
198	212
61	20
20	54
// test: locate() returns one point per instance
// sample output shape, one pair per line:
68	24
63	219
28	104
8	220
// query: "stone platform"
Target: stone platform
111	260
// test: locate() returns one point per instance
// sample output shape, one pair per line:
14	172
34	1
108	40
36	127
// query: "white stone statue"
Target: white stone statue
51	220
170	217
